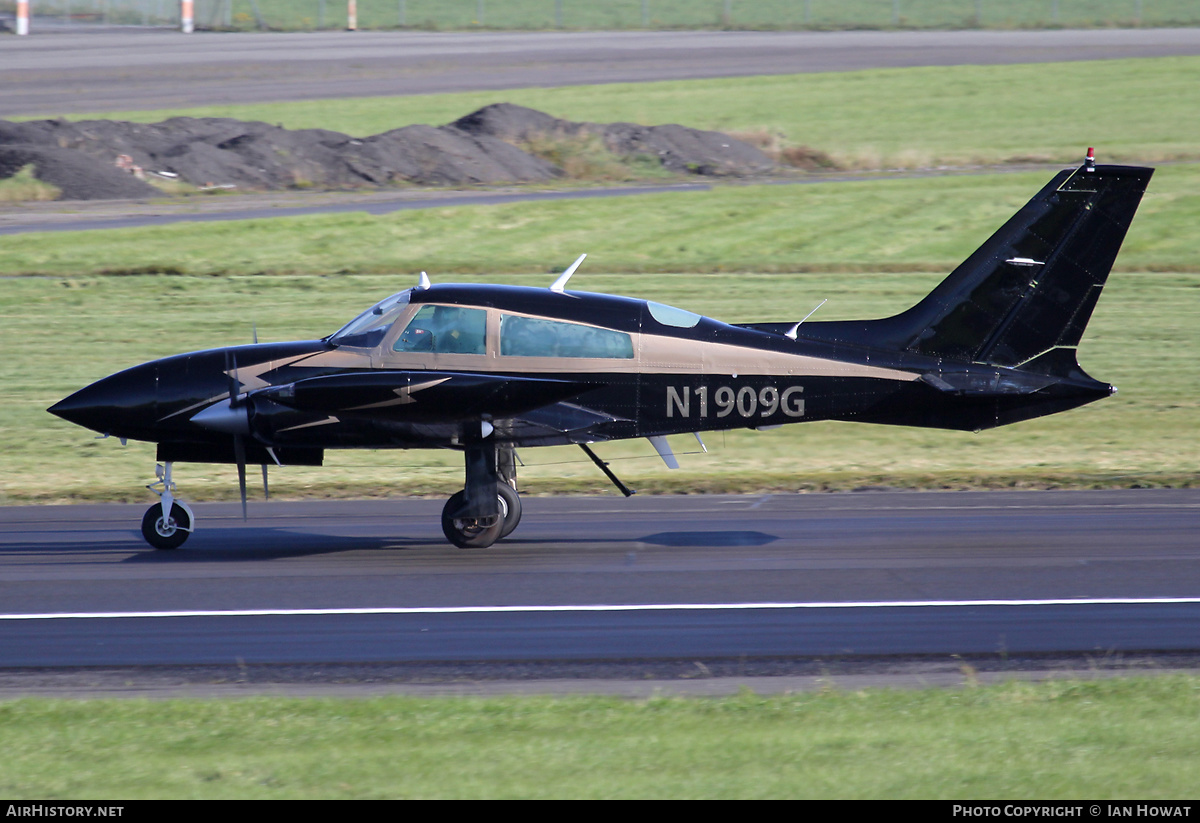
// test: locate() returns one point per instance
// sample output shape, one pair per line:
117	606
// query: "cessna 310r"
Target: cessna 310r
489	369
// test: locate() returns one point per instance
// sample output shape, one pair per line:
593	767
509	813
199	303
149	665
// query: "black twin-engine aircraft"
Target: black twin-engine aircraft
489	369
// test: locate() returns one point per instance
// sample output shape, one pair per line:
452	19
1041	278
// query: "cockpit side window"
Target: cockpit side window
536	337
445	330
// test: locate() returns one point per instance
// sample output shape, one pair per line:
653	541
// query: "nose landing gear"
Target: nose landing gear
167	524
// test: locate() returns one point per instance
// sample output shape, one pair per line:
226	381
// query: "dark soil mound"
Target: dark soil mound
448	156
220	151
485	147
677	148
516	124
77	176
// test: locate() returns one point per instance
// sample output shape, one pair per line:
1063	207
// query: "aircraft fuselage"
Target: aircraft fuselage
671	379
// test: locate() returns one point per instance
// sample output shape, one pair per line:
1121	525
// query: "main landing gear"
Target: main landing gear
488	508
167	524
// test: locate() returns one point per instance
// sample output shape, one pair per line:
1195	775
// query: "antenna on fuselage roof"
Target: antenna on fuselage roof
561	283
791	333
424	283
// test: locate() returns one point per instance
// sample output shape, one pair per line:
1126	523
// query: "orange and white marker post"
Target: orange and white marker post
22	17
187	16
352	15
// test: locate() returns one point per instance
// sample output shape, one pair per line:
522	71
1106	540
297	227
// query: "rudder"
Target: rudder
1023	298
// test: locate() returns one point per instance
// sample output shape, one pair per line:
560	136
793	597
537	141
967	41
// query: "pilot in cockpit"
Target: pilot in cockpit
457	331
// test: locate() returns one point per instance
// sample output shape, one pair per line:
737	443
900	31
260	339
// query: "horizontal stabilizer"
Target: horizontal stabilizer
987	382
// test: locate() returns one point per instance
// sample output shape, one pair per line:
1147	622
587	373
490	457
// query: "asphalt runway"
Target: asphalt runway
54	71
649	579
107	214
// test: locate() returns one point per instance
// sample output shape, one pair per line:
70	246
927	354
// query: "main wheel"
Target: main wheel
169	532
510	508
471	532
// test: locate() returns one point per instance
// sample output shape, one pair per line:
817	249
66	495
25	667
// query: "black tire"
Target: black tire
469	533
169	535
510	507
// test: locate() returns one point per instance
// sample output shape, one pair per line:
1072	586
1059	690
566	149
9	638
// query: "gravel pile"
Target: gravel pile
105	159
678	148
77	176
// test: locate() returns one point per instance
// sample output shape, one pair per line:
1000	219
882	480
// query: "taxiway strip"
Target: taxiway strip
55	71
702	634
77	219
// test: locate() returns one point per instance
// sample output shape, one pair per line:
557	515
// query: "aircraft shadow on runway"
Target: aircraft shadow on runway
223	545
236	544
710	539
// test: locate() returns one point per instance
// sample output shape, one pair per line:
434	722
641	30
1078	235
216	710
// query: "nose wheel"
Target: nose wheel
167	532
167	524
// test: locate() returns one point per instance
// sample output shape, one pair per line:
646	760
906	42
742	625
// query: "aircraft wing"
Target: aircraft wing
429	396
556	424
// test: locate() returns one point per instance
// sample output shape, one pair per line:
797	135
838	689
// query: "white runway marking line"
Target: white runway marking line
659	607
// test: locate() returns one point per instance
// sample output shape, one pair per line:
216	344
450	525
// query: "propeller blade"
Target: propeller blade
235	386
266	490
239	454
239	446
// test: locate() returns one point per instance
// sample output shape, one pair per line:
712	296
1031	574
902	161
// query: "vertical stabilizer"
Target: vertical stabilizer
1023	298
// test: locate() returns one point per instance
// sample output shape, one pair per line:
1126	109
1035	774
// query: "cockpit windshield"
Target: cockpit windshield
369	328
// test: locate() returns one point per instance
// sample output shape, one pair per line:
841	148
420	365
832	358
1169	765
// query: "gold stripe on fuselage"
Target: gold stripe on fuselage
654	354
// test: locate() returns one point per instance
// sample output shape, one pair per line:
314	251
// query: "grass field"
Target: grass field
1057	740
737	14
23	187
923	224
637	14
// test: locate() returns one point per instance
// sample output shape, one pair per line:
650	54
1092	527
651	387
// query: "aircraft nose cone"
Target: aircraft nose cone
112	405
80	408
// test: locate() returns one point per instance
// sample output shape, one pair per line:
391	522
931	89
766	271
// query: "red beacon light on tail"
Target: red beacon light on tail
1090	161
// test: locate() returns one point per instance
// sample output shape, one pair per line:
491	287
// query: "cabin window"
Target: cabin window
671	316
445	330
537	337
